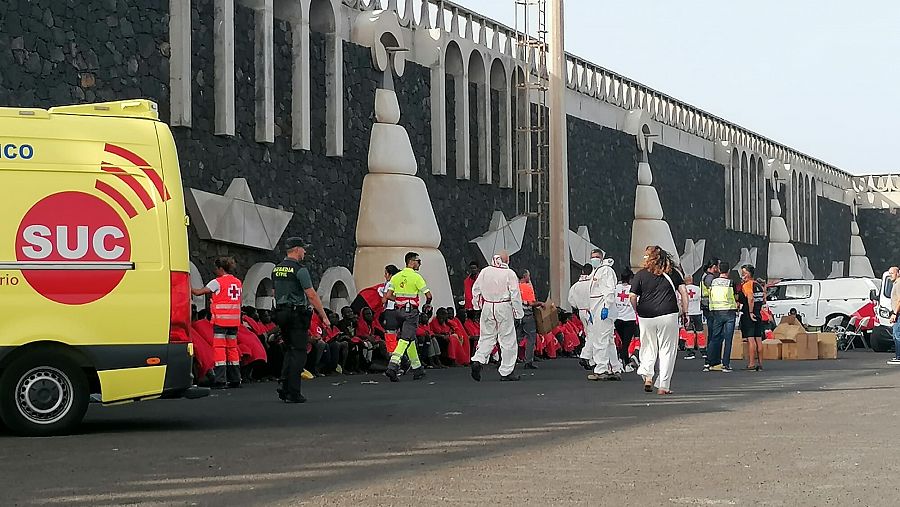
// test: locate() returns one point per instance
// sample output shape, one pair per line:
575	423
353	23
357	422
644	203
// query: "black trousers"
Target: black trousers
294	324
627	329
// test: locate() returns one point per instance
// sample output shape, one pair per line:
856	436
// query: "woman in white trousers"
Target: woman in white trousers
653	295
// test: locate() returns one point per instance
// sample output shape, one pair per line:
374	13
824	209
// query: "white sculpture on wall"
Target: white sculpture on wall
859	262
235	217
580	246
502	234
804	268
692	258
748	256
837	269
783	260
648	227
389	228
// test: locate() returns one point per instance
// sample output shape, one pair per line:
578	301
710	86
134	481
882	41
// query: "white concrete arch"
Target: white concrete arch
521	116
752	192
801	208
196	282
815	212
478	75
499	80
733	160
337	288
255	275
744	190
792	205
761	200
736	210
457	66
325	17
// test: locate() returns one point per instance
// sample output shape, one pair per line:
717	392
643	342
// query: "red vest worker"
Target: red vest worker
226	318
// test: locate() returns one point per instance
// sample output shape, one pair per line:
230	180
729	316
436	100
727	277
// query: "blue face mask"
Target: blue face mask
596	262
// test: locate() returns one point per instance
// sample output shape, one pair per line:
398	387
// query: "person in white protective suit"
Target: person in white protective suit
496	294
597	308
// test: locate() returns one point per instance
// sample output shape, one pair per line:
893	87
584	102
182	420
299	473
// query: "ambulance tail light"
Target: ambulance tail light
180	301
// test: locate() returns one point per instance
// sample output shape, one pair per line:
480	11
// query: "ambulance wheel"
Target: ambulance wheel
43	393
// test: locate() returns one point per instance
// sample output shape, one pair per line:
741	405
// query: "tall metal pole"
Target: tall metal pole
560	277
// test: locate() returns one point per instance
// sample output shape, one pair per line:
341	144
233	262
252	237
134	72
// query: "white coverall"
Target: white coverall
591	296
496	294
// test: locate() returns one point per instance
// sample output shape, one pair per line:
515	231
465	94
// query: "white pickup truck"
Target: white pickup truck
882	338
819	301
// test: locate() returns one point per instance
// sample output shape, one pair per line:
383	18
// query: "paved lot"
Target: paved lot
799	433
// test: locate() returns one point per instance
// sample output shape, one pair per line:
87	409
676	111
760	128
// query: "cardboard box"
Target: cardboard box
771	349
827	345
787	332
546	319
805	347
789	319
737	347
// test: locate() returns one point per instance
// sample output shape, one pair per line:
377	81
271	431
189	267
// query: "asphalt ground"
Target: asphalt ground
798	433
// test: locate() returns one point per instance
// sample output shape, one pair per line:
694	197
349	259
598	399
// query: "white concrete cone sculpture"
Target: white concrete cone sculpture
395	212
783	260
648	228
859	262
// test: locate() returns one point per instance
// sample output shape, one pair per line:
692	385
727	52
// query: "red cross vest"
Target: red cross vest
226	304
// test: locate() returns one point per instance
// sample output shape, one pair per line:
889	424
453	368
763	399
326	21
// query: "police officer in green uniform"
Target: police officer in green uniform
723	313
294	293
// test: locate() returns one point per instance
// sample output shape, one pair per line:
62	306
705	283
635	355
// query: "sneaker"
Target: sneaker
419	374
615	376
530	366
282	394
894	361
704	355
726	369
306	375
629	368
338	369
599	376
586	364
392	375
717	367
689	356
512	377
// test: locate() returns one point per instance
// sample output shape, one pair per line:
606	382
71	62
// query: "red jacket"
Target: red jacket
437	328
472	327
457	327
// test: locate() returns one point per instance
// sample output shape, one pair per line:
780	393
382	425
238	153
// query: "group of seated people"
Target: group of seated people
356	342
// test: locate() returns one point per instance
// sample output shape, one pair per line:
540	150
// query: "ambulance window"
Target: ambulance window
888	285
797	291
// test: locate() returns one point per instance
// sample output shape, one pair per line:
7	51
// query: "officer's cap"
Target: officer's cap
294	242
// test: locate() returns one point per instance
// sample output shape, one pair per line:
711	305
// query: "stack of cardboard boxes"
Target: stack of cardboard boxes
792	342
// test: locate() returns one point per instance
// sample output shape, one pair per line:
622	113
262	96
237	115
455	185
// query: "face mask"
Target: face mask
596	262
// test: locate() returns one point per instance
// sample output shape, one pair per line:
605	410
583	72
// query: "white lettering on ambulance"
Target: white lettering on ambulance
108	231
40	241
81	242
36	235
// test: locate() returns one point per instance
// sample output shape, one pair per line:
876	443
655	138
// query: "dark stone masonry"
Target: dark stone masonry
55	52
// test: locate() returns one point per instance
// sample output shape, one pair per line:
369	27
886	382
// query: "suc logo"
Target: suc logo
72	228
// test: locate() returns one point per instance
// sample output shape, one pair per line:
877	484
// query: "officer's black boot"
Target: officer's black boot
476	371
391	372
419	374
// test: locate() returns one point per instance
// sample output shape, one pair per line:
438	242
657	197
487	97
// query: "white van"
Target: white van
819	301
882	338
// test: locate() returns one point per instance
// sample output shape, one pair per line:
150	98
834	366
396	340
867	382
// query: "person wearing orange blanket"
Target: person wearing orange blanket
204	356
460	331
441	329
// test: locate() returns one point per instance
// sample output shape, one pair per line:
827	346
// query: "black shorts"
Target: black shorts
751	329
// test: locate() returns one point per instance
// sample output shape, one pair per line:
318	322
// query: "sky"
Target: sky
822	77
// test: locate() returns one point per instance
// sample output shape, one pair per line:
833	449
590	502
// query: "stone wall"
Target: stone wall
55	52
59	52
880	232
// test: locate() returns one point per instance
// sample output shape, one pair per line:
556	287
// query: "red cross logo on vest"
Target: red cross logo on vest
622	296
691	293
234	292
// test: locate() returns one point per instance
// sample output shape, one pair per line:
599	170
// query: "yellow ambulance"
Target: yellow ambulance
94	272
